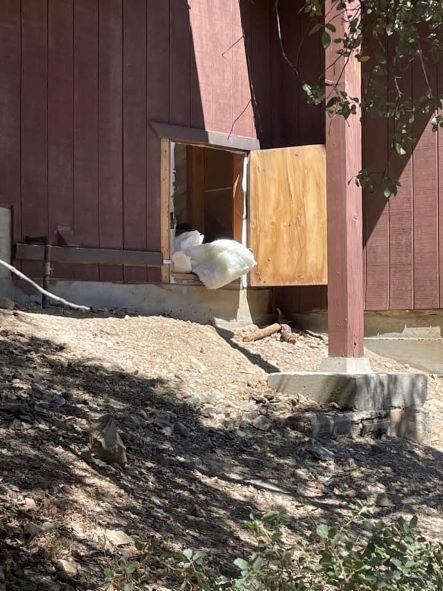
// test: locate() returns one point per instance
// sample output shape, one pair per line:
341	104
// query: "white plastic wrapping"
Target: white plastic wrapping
220	262
186	240
181	263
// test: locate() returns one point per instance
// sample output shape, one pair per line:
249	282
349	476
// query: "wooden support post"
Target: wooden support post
344	202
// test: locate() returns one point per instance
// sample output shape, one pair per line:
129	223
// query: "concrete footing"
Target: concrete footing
346	365
367	403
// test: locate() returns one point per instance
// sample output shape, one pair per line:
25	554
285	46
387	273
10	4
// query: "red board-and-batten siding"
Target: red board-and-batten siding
81	79
79	82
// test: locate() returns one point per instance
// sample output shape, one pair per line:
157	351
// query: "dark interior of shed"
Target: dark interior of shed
206	190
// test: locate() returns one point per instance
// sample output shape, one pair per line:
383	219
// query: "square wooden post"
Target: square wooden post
344	202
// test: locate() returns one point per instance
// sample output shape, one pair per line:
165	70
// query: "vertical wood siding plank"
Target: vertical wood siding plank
401	219
260	70
376	217
34	132
180	64
242	107
425	183
10	42
86	214
110	133
60	122
158	110
197	117
135	130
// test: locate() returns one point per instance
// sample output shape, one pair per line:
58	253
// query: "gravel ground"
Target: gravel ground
207	443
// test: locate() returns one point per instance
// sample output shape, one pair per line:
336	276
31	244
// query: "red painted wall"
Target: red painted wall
79	82
403	236
81	79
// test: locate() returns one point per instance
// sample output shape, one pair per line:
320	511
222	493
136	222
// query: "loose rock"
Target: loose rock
262	423
118	537
106	443
68	566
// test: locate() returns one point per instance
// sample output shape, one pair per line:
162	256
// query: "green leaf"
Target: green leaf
241	564
326	39
323	531
188	553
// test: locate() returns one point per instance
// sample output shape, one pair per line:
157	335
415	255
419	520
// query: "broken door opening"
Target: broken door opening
206	194
272	201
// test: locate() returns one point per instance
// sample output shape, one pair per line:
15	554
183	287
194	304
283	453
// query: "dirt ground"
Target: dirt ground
207	443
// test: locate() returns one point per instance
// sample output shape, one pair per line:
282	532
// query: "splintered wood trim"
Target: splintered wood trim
237	196
165	197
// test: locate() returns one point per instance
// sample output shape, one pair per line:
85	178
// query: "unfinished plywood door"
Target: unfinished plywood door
287	216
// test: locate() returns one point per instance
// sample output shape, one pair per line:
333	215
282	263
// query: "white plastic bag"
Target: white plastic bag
181	263
220	262
187	240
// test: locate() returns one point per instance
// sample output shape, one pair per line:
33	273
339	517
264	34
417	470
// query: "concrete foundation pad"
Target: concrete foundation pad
361	392
347	365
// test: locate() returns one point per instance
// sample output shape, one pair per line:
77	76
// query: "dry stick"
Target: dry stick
262	333
43	291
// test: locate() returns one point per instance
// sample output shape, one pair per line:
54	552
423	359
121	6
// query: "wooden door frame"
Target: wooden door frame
166	187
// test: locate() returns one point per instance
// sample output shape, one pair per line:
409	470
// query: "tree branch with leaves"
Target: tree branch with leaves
388	37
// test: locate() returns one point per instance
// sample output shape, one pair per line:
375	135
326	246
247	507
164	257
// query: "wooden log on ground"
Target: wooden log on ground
262	333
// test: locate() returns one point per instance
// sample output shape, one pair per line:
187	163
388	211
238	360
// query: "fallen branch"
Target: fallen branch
43	291
262	333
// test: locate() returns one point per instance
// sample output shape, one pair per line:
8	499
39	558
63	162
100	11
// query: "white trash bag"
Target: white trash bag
186	240
181	263
220	262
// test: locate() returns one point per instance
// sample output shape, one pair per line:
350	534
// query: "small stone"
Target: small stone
68	566
14	408
6	304
262	423
167	431
118	537
105	441
181	429
321	453
384	500
32	530
30	504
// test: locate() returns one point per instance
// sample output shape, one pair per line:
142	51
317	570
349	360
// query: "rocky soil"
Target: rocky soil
207	443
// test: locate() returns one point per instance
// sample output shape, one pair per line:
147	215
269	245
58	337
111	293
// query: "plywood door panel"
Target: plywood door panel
287	230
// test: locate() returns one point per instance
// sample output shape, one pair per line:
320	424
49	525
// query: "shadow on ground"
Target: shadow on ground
187	481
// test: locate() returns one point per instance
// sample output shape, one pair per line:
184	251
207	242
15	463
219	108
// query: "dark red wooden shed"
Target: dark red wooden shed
88	89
